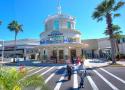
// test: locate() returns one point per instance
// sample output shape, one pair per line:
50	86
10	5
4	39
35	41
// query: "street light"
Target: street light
2	49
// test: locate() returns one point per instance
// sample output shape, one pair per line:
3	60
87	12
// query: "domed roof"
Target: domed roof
59	16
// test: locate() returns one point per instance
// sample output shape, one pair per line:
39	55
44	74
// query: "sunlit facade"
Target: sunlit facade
60	39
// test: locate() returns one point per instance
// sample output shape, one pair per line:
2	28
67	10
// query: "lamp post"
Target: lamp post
2	50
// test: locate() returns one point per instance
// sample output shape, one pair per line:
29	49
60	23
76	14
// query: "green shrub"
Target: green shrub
12	79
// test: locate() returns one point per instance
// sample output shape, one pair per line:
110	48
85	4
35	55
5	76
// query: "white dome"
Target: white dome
59	16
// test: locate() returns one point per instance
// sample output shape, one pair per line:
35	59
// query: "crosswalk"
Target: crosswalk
92	83
97	79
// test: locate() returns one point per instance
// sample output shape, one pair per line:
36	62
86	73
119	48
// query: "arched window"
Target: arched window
68	25
56	25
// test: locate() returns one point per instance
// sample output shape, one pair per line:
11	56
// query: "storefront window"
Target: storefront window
56	25
68	25
123	40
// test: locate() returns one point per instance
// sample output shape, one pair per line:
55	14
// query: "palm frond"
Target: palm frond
101	7
97	15
109	5
14	26
118	5
117	35
116	27
20	28
0	22
106	32
99	19
117	15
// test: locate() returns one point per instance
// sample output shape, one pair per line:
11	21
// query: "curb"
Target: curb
108	63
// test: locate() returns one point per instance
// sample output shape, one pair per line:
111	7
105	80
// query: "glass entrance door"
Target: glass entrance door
73	55
61	54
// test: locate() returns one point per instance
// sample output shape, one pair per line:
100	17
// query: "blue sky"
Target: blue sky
32	13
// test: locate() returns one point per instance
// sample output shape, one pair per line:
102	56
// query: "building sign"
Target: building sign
55	33
57	37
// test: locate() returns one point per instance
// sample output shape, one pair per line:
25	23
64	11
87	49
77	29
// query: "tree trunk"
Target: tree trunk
109	27
15	47
117	47
113	50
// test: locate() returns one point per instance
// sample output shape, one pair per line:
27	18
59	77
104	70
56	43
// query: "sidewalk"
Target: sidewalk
93	63
6	60
121	62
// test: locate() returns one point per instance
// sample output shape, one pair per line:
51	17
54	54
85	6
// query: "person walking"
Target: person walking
69	71
78	60
82	74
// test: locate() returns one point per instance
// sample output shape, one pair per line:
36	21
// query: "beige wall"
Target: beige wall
103	43
90	44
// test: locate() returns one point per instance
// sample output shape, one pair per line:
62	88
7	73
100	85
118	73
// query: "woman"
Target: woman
69	71
82	74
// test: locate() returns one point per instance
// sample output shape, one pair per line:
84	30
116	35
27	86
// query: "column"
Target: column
78	52
58	61
49	54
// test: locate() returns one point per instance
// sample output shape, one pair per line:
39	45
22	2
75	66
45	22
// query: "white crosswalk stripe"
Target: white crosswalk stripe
75	81
123	81
58	85
33	69
37	71
52	75
92	83
108	83
46	71
29	68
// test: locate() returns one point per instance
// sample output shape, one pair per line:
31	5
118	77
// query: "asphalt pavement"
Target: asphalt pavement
102	78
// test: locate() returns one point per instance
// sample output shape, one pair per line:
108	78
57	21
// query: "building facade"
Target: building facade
60	39
25	48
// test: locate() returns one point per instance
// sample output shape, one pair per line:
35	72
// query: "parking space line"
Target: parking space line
123	81
103	78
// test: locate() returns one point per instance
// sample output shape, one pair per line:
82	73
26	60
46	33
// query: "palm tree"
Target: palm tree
107	9
116	35
0	22
15	27
13	79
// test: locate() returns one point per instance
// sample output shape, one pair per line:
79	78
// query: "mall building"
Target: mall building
25	48
59	41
